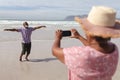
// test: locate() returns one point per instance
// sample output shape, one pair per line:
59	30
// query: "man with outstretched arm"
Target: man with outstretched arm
26	32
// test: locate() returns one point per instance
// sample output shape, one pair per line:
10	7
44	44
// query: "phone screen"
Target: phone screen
66	33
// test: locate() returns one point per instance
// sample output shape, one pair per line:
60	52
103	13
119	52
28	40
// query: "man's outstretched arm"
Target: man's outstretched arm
11	30
38	27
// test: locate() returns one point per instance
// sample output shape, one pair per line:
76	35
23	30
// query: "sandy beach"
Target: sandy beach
42	65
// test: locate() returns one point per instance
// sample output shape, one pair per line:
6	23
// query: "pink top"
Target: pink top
86	63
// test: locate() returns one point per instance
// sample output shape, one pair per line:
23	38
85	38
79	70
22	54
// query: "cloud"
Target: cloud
48	9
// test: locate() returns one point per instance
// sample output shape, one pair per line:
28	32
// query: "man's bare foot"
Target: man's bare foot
27	59
20	59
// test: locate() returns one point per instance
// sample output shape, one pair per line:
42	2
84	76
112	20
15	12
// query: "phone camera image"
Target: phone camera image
66	33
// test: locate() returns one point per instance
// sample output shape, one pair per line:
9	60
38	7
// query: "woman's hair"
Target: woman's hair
101	39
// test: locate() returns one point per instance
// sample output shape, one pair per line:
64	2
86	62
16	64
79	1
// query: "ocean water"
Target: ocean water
17	24
40	34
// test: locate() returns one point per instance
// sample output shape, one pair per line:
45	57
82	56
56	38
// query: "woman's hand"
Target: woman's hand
75	33
58	34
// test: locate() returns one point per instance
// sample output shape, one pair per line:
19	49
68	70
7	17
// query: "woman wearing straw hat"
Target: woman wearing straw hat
98	58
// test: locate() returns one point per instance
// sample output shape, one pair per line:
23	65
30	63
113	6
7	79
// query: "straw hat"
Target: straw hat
101	21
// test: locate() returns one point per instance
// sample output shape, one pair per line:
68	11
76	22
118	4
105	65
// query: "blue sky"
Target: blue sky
49	9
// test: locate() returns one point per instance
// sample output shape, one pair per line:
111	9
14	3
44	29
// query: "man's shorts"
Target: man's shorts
26	47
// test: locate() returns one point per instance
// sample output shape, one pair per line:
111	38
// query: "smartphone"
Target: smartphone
66	33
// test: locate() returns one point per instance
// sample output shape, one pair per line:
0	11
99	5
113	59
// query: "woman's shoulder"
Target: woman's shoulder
89	49
77	49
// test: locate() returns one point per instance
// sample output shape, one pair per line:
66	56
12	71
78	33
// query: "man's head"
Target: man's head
25	24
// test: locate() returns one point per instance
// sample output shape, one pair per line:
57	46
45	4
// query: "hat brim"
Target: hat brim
96	30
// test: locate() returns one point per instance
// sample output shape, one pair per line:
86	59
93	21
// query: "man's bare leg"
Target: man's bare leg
21	56
27	56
